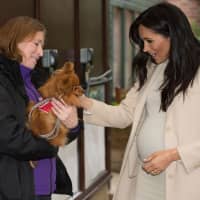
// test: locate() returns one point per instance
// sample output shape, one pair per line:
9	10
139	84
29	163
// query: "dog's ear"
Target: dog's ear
68	67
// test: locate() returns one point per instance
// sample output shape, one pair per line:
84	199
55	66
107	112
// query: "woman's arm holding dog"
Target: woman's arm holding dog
15	139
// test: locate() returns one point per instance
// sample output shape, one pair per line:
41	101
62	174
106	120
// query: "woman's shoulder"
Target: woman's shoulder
9	72
5	79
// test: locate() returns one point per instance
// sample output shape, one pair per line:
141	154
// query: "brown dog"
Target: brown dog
63	83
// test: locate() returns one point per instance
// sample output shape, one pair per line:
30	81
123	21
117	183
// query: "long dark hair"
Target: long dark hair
184	56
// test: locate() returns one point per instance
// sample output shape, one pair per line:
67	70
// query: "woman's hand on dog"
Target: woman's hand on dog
66	114
86	102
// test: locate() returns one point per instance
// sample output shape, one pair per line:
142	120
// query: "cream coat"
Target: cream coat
182	130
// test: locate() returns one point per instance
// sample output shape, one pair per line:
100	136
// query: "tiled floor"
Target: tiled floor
114	181
61	197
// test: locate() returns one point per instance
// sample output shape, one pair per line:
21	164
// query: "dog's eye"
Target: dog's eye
65	82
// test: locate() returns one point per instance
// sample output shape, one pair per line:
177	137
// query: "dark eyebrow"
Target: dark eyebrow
146	38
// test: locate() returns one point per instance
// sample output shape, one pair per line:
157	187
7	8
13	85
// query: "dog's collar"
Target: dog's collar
54	132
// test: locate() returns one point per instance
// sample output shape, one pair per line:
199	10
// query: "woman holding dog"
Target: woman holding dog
21	45
162	158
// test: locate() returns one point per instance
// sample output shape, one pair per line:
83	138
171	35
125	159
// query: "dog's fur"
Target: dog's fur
63	83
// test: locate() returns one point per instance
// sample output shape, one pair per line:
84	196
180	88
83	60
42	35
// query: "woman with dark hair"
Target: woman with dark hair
162	158
21	46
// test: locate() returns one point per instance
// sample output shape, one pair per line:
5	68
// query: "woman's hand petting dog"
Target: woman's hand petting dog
66	114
